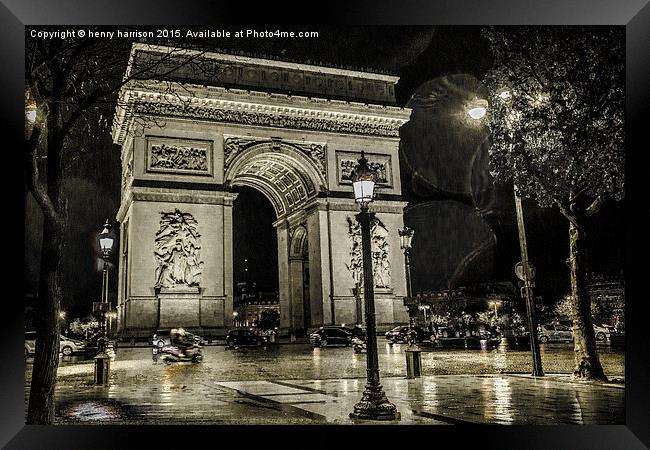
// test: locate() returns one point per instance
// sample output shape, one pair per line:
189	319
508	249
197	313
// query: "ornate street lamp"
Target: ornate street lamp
374	404
406	236
102	361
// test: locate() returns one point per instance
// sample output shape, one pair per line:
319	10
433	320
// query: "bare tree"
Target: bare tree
73	85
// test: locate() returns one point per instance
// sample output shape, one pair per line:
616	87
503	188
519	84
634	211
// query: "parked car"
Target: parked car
328	336
67	346
603	332
554	333
245	337
400	334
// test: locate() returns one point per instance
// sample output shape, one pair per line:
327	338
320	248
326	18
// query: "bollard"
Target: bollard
413	363
102	369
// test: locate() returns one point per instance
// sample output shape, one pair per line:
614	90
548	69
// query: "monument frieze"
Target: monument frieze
179	156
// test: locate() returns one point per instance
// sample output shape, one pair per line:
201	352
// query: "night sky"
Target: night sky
417	55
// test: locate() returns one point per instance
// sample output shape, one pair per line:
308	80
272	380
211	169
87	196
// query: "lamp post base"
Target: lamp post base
374	405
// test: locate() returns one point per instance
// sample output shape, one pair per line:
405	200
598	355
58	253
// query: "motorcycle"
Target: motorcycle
358	345
171	354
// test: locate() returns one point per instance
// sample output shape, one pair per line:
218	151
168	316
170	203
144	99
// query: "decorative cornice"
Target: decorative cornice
257	61
193	196
254	108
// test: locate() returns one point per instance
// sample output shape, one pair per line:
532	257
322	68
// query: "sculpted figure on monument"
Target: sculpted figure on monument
178	250
379	249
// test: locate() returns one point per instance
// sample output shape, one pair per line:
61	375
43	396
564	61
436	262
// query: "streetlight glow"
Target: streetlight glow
477	113
30	111
363	182
477	109
106	239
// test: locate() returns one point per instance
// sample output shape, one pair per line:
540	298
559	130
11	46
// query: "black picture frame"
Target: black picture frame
16	14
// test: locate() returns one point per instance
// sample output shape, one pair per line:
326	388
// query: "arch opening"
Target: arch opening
286	176
255	260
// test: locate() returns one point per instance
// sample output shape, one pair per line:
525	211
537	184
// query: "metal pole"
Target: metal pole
357	299
374	404
407	268
528	289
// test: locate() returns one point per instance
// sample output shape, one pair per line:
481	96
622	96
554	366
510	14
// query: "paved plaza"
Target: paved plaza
247	386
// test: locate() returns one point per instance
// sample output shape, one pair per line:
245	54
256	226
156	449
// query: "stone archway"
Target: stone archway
183	154
282	171
290	175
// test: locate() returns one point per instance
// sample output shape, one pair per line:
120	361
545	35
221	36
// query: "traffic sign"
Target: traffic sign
519	270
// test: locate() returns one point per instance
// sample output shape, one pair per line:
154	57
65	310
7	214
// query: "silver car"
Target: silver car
67	346
554	333
603	332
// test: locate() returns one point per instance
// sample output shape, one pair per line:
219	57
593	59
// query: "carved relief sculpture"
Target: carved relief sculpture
165	156
177	251
379	249
347	166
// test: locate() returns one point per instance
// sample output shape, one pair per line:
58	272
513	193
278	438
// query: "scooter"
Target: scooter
171	354
358	345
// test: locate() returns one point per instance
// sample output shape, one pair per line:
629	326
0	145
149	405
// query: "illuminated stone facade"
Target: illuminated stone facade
183	153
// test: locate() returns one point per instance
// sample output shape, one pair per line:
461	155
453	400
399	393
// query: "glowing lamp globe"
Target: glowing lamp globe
106	239
363	182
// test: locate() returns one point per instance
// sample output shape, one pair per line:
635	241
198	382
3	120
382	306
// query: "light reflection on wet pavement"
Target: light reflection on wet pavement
294	384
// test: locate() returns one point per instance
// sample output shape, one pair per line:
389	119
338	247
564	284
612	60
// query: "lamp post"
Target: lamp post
406	236
527	277
374	404
527	274
102	361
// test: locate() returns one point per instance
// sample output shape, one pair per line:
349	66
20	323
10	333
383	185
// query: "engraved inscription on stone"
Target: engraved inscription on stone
178	251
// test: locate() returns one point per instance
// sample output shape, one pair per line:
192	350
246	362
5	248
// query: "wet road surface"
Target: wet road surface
299	385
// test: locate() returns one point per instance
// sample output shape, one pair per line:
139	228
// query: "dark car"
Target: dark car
245	337
329	336
400	334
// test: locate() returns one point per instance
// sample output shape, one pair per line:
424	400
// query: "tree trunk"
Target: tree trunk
46	358
40	410
587	361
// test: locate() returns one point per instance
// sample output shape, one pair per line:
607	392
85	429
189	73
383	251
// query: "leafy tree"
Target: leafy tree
84	327
556	122
71	89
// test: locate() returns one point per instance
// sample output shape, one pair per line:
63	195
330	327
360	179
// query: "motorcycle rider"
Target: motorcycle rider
182	340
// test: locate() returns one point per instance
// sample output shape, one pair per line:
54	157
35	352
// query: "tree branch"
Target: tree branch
33	179
595	206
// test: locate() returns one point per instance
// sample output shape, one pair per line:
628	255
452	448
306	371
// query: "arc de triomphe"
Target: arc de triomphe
186	144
